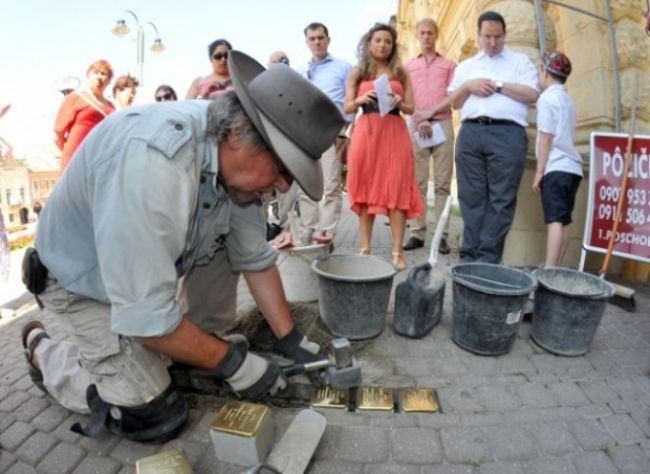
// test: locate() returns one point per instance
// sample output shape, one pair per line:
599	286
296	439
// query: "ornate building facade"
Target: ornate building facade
587	41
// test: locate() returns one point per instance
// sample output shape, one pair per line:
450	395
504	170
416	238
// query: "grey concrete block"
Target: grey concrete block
630	388
499	398
641	417
21	468
468	468
6	420
415	446
355	444
516	365
13	375
13	436
461	400
97	465
630	459
508	467
511	443
536	395
50	418
484	419
13	401
36	447
6	459
591	434
391	469
101	445
553	439
568	394
543	415
30	409
129	452
598	391
62	459
335	467
594	411
548	466
465	445
623	429
437	420
594	462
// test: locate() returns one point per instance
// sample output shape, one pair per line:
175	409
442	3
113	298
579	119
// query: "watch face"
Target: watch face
499	84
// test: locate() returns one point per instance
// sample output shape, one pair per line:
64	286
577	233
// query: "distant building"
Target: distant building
42	174
14	191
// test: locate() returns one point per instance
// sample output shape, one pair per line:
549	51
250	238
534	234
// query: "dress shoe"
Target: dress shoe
443	248
413	243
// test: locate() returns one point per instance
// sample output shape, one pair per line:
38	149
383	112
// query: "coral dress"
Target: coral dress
77	116
381	164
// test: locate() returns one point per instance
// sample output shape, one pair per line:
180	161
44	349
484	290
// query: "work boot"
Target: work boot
413	243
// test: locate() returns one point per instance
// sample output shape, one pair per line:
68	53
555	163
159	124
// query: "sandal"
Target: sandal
364	251
34	373
399	261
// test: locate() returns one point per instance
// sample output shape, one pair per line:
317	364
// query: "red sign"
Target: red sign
605	179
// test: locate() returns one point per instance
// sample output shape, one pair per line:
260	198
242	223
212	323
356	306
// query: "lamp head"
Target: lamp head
120	28
158	46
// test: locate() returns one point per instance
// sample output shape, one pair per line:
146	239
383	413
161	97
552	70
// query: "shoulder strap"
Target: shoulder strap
94	103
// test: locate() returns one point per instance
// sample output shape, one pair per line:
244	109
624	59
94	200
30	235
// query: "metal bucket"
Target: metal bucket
298	280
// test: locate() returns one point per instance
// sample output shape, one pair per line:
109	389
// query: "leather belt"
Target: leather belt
483	120
373	108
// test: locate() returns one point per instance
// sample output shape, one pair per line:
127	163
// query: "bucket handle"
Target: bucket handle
412	277
478	279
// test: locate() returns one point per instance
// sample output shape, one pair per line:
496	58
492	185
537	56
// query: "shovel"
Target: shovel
418	300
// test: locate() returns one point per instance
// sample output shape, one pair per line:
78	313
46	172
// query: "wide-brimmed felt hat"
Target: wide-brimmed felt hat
557	63
295	118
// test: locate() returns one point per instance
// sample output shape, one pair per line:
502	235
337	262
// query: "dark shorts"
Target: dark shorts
559	196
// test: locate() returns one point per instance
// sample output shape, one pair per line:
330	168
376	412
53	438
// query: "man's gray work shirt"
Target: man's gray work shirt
137	207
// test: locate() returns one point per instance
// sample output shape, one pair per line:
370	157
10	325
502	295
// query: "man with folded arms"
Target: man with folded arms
493	89
159	193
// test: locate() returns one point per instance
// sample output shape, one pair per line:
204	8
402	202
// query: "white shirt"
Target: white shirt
507	66
556	115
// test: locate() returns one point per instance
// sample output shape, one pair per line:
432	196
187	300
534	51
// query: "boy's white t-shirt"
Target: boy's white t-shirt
556	115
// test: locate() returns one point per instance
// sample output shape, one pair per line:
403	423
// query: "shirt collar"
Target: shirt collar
313	62
505	52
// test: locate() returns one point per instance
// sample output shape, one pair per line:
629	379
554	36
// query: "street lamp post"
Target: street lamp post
121	29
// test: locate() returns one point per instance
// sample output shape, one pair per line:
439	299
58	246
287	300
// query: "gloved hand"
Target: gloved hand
297	347
249	375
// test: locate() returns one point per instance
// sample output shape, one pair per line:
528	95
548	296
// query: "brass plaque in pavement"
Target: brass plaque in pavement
375	398
420	399
240	418
169	462
327	397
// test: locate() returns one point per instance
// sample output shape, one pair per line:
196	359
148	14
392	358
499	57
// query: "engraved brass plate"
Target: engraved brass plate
420	399
327	397
169	462
240	418
374	398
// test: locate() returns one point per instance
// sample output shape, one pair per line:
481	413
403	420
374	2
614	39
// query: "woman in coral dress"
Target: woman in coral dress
82	110
381	177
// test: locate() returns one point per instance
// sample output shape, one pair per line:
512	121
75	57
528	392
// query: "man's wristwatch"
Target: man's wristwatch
499	85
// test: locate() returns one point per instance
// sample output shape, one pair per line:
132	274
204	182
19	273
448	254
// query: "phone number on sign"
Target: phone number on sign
633	215
635	197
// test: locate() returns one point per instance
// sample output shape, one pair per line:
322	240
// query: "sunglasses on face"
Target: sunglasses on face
282	61
166	96
220	56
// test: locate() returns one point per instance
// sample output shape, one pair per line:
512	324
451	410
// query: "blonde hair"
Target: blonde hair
427	21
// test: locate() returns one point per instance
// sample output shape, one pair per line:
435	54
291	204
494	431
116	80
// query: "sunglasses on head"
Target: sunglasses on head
220	56
165	96
282	60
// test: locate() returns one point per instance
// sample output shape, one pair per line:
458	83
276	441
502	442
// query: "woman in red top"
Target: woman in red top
82	110
381	178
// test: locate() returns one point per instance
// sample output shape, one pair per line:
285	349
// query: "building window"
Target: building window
11	217
8	194
35	187
22	194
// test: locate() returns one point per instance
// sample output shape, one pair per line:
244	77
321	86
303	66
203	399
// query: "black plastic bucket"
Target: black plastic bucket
568	308
488	303
353	294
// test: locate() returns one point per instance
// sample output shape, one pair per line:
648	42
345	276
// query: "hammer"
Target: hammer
340	371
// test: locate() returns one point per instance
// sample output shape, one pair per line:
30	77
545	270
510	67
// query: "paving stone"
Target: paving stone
498	397
21	468
484	419
598	391
36	447
469	468
507	467
630	459
13	401
553	439
548	466
30	409
200	432
102	445
395	420
415	446
13	436
593	411
63	431
629	388
591	434
391	469
50	418
569	394
129	452
624	406
193	450
623	429
437	420
62	459
97	465
481	366
462	400
13	375
641	417
465	445
594	462
7	458
516	365
4	391
536	395
511	443
543	415
6	420
356	444
335	467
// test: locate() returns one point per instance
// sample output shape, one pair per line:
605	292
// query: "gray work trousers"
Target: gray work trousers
489	165
125	372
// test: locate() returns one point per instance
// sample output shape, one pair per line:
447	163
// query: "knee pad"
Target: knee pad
156	421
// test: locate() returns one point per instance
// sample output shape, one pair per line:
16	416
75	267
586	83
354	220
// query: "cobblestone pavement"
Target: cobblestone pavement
524	412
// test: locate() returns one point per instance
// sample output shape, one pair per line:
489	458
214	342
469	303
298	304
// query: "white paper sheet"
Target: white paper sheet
384	94
437	137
